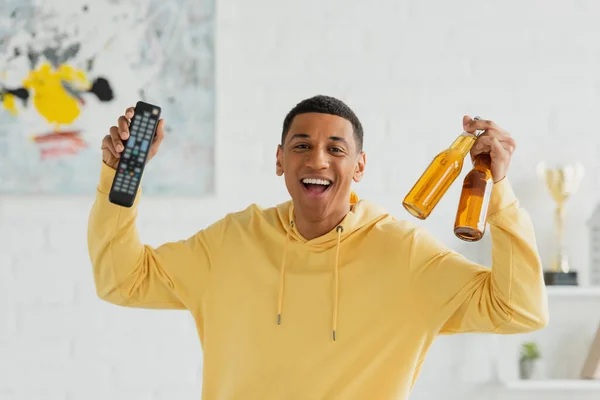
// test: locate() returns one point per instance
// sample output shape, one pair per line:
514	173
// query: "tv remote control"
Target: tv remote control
142	130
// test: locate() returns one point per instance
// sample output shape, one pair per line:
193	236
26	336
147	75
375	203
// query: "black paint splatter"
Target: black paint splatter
102	89
20	93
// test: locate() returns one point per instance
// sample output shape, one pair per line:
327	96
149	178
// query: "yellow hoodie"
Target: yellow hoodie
349	315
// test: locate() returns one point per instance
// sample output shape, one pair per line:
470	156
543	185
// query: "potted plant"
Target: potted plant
529	355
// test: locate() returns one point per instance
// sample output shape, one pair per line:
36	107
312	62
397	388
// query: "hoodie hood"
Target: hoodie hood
363	214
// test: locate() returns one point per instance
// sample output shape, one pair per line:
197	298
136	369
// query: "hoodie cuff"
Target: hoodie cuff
502	197
107	175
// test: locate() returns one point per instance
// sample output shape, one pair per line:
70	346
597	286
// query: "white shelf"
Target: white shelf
554	384
573	291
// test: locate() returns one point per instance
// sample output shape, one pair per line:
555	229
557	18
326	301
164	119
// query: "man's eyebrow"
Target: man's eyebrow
338	139
299	136
306	136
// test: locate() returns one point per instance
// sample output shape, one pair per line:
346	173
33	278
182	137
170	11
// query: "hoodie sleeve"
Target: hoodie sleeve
130	273
456	295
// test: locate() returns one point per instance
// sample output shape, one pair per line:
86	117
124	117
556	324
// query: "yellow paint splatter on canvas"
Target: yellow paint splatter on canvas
8	101
50	97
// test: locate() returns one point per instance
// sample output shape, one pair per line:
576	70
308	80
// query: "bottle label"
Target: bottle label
486	201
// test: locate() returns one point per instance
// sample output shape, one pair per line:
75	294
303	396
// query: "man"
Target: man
325	296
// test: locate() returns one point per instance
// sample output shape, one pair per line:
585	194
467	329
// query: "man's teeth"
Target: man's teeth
316	181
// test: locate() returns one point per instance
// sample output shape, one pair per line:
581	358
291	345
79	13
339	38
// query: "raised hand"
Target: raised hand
112	144
495	141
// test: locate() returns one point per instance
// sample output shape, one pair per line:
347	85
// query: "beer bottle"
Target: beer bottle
471	216
439	176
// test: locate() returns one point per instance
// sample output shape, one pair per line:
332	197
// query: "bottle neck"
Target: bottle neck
483	160
463	143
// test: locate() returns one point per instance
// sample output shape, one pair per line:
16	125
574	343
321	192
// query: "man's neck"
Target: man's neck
311	228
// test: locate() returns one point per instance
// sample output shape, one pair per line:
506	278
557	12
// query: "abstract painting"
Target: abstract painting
70	68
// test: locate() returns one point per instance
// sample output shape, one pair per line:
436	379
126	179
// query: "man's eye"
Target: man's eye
301	146
336	149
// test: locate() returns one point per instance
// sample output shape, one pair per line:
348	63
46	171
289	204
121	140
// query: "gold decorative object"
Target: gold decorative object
562	182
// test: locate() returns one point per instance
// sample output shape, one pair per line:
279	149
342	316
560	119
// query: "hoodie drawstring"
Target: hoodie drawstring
339	229
282	274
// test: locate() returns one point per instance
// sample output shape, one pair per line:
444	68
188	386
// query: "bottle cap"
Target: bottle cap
478	132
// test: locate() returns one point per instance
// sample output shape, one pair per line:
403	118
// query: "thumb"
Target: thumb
466	121
497	151
160	130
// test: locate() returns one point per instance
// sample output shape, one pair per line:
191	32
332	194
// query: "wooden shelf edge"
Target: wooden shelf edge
554	384
573	291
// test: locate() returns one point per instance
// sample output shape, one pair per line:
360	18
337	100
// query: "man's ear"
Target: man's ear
360	167
279	161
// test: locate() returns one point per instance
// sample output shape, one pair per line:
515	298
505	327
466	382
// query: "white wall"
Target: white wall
410	69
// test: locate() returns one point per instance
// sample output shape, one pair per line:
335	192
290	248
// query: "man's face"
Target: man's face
319	161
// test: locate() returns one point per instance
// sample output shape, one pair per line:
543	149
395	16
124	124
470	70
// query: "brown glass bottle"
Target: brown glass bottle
471	216
439	176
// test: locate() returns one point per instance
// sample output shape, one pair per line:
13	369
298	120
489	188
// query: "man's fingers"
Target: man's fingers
498	151
481	124
116	140
123	127
472	124
485	142
107	143
466	122
160	134
160	131
130	112
509	144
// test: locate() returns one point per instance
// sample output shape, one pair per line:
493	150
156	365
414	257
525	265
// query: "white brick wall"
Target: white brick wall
410	69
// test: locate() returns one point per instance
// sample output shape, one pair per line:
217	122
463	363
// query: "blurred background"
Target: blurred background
226	72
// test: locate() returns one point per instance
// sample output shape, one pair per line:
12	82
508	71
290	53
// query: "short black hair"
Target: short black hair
325	105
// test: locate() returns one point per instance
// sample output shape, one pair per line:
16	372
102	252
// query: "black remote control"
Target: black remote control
142	130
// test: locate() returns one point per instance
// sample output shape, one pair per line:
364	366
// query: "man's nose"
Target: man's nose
317	159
